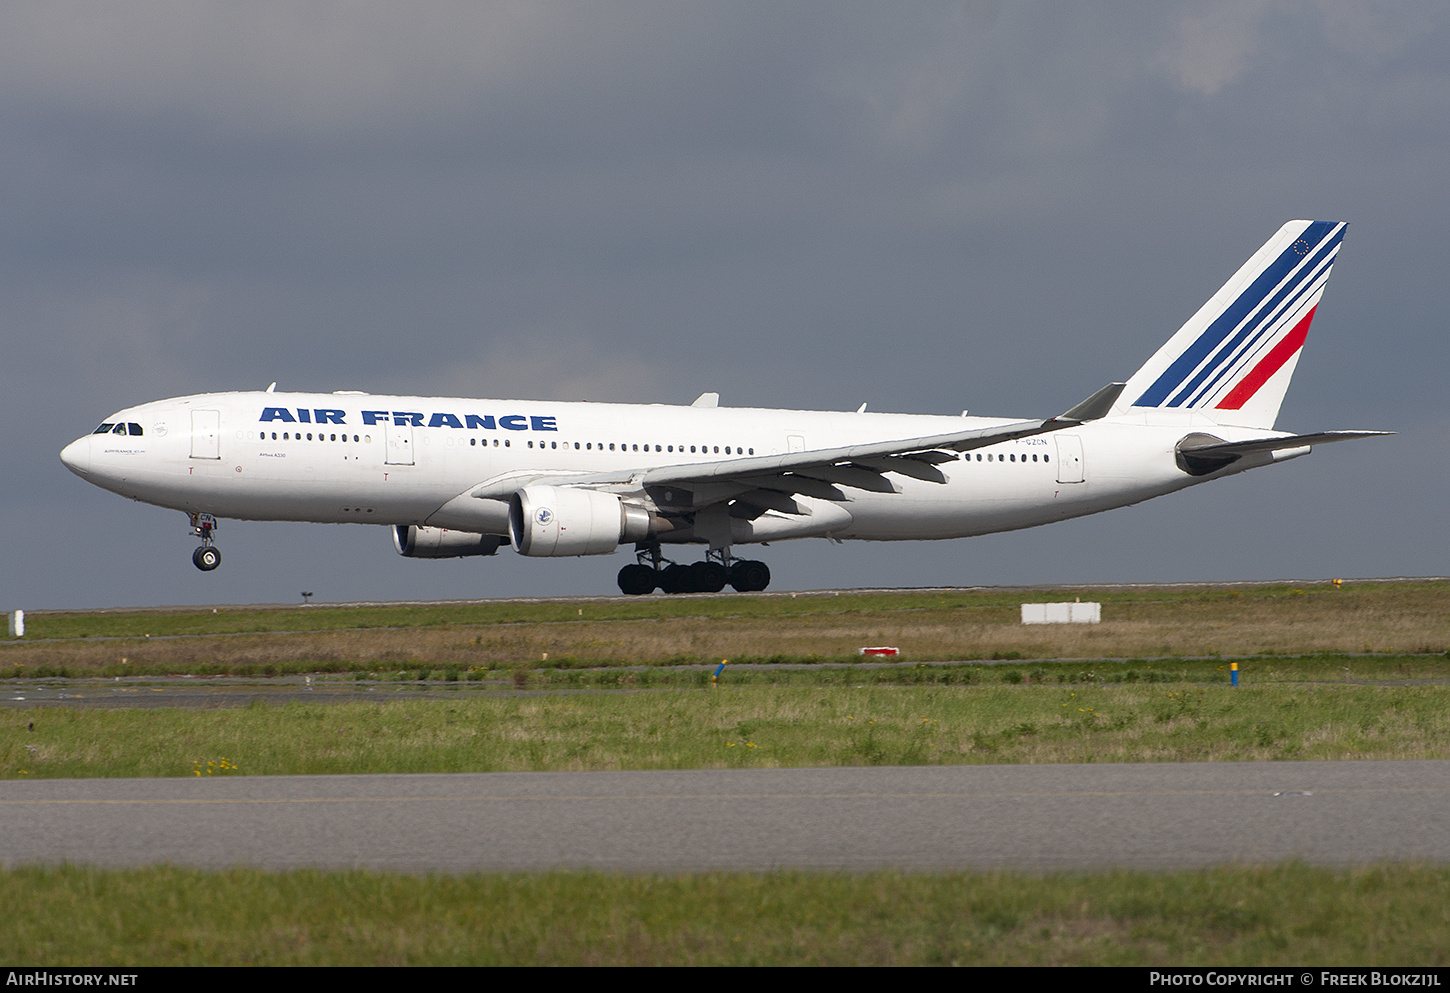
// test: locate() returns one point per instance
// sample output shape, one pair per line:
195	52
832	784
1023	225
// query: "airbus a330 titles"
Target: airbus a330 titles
457	477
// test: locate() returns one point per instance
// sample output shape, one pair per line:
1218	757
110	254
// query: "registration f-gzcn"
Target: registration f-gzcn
455	477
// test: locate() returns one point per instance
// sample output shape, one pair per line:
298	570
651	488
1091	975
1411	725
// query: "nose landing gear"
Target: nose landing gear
208	556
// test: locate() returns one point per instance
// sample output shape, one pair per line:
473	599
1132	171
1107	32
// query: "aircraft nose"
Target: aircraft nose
77	456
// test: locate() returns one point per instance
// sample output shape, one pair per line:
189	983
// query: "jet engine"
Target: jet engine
416	542
565	520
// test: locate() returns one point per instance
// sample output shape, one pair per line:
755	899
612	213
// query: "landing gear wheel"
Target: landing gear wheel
749	576
206	558
708	577
637	580
677	579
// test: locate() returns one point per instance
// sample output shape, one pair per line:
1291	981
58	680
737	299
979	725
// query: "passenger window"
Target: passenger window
1046	459
274	435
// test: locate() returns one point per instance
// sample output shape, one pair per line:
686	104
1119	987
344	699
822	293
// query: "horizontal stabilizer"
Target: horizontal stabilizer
1286	441
1201	454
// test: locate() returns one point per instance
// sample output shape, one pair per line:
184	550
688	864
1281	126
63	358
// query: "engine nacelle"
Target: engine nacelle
416	542
565	520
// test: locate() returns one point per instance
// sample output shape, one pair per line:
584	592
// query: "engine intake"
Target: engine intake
416	542
565	520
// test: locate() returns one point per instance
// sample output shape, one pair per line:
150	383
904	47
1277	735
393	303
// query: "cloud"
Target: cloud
548	365
1212	45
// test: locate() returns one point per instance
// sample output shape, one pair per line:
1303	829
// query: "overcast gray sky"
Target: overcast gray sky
923	206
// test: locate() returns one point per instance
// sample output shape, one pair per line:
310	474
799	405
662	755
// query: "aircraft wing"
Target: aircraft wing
821	471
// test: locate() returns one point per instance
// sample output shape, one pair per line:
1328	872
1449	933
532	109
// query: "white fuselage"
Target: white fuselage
354	458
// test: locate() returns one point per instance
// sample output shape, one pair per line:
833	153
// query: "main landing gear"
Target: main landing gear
208	556
709	576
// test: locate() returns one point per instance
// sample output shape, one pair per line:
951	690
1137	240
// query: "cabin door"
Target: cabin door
1069	458
206	434
399	441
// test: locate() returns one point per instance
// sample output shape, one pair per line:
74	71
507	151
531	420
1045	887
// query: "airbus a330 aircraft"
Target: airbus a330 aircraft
455	477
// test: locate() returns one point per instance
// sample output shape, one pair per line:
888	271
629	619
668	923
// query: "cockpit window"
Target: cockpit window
133	429
103	429
119	429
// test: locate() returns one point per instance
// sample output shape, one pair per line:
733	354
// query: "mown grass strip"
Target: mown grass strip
563	671
1247	916
1002	602
750	726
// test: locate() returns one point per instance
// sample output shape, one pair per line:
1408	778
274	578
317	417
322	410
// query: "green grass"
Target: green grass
746	726
1360	621
997	603
324	617
1276	915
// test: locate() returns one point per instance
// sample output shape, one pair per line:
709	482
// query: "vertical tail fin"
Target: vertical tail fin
1232	360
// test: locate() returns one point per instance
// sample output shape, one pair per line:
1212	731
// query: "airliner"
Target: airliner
451	476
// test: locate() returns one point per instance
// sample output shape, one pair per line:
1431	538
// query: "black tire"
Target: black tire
637	580
206	558
708	577
749	576
677	579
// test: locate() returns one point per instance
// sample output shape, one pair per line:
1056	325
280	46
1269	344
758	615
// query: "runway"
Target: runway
1037	818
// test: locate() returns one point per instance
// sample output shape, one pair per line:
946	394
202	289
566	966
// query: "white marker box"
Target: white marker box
1062	613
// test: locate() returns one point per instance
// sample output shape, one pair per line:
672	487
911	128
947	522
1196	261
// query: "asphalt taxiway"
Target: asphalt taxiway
1032	817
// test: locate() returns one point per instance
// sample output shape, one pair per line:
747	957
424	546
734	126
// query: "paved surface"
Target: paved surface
1032	817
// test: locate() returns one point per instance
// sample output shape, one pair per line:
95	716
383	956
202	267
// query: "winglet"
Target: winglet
1096	406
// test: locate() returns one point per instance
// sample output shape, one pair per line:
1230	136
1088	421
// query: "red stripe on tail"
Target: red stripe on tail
1269	364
